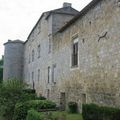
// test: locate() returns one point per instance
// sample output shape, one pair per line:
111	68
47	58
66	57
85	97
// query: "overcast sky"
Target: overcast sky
17	17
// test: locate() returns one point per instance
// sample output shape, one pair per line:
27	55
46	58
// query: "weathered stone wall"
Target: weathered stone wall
41	63
49	25
97	77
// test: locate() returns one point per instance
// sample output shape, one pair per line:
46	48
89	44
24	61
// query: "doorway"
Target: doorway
62	100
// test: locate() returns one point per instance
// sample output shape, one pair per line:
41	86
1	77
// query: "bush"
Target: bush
40	98
21	109
11	92
95	112
72	107
31	91
34	115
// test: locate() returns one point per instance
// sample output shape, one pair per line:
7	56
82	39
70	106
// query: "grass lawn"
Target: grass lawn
67	116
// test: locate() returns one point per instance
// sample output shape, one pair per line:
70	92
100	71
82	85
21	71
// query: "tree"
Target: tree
1	70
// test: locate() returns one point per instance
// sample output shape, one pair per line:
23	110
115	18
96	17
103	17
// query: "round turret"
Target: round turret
13	59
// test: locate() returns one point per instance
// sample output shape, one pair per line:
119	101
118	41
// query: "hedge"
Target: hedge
95	112
34	115
21	109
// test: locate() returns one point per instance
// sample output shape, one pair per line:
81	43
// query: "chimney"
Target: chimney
9	40
65	4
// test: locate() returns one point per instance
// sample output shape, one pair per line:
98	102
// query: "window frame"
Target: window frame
38	75
75	40
53	73
33	83
49	75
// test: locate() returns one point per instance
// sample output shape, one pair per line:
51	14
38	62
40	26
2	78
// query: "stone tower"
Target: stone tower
13	59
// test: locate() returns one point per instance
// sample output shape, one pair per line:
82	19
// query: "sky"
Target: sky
18	17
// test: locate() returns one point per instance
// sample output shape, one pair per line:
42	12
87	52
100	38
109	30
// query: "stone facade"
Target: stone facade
96	78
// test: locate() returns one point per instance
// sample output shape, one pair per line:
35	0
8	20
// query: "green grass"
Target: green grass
68	116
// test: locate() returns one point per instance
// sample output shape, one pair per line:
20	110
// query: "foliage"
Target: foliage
40	98
1	74
1	62
72	107
11	92
95	112
34	115
1	70
21	109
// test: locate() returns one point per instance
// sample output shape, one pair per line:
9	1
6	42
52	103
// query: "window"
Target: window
84	98
75	52
33	55
38	51
29	59
33	84
54	74
29	55
38	75
50	43
49	74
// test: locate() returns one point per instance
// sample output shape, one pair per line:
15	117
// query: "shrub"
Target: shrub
31	91
95	112
72	107
34	115
40	98
21	109
11	93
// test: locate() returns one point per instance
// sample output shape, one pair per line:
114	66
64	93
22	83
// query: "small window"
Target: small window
33	84
33	55
50	43
54	74
84	98
49	74
38	49
29	59
75	52
38	75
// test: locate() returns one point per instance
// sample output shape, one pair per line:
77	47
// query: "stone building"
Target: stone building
71	55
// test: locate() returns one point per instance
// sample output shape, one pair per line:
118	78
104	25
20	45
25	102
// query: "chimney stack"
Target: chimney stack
65	4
